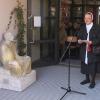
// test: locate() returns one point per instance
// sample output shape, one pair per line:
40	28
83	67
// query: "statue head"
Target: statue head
9	36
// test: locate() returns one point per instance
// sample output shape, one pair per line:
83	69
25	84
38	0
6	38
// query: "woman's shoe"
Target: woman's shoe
85	82
92	85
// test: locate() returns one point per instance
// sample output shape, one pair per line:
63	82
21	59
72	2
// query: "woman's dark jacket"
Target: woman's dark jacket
94	36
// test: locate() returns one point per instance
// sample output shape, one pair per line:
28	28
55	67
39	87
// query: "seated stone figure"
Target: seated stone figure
17	65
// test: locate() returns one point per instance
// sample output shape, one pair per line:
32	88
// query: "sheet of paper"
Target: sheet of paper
83	41
37	21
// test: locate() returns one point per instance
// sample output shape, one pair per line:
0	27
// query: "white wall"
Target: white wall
6	6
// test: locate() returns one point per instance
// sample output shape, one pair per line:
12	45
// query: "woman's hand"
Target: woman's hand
88	42
80	41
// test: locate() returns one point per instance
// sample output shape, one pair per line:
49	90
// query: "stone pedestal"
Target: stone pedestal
7	81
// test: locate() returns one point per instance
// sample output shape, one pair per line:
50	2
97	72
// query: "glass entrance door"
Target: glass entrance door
47	40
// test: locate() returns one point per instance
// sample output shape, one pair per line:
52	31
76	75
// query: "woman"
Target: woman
89	36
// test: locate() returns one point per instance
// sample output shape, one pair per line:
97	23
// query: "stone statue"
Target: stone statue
11	61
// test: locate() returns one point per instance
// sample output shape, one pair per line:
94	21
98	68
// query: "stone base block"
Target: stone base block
7	81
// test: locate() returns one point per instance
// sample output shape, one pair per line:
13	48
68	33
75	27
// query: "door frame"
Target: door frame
29	30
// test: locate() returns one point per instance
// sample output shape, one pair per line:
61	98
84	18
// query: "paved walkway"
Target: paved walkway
49	81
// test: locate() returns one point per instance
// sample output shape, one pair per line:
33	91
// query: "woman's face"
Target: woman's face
88	19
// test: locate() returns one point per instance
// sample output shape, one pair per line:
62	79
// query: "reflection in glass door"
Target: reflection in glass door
49	31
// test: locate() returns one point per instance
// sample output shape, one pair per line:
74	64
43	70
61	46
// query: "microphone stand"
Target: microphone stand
69	87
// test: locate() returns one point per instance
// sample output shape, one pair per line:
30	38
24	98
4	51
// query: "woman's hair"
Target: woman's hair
89	13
